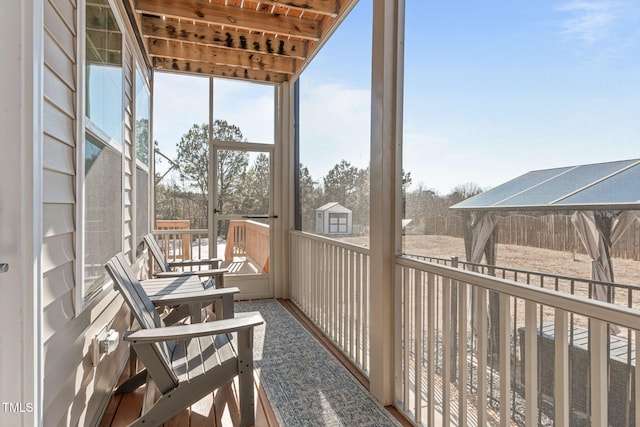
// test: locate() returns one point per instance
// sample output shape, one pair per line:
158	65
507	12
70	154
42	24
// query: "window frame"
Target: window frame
145	76
84	126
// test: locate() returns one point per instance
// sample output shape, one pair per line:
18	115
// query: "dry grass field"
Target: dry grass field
521	257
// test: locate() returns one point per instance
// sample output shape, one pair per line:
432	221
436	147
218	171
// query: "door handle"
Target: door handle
259	216
4	267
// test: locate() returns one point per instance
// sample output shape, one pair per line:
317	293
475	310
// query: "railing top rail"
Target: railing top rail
622	316
348	246
536	273
180	231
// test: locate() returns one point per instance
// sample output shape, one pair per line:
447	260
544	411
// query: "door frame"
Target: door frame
21	196
252	286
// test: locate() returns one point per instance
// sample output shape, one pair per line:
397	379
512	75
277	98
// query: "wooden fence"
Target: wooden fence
555	232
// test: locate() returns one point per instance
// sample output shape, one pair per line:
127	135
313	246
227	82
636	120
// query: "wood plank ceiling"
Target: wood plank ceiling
267	41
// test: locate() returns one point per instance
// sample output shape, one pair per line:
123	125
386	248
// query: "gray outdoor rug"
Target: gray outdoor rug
305	384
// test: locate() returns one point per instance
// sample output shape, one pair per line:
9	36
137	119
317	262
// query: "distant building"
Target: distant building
333	218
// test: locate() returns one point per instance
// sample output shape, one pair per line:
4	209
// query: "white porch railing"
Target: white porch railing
330	284
179	244
553	379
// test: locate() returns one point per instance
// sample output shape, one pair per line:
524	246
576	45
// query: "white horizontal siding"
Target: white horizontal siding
56	283
70	385
58	156
58	220
59	29
58	187
67	11
57	251
58	125
58	60
57	91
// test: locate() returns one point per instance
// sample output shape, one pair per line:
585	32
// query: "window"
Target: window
142	204
142	119
180	125
102	211
142	140
232	100
102	198
104	70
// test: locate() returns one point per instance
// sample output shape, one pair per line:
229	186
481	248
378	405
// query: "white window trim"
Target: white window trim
83	126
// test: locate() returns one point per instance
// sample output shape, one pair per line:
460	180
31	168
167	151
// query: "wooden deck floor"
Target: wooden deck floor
218	409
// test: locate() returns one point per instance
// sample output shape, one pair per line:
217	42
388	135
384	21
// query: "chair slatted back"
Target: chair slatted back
156	252
138	301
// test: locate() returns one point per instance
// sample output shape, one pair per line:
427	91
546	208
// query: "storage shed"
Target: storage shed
333	218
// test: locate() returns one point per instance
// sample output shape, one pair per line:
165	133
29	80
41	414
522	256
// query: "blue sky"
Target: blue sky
493	89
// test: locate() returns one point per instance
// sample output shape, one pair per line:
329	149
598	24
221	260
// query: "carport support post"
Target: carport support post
385	201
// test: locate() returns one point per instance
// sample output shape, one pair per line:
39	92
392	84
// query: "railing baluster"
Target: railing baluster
505	361
419	348
431	350
636	402
352	305
462	353
341	298
365	313
334	293
398	336
561	402
359	303
531	363
599	341
446	350
408	310
481	331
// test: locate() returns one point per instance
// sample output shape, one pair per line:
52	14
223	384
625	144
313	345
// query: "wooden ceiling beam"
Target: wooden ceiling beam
208	69
228	57
219	14
173	30
323	7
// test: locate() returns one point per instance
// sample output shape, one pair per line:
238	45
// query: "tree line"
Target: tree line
243	184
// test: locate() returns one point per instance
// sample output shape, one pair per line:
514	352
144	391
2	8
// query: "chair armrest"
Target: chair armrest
183	332
195	262
203	296
201	273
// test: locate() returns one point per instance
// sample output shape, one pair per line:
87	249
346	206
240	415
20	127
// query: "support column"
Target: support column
285	183
386	167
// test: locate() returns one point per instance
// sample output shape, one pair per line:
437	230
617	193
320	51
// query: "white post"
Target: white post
561	368
283	197
531	363
21	29
599	395
386	141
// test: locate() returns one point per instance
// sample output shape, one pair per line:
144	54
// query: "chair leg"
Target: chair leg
245	377
132	383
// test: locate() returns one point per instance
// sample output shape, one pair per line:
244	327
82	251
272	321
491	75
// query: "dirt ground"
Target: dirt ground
526	258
